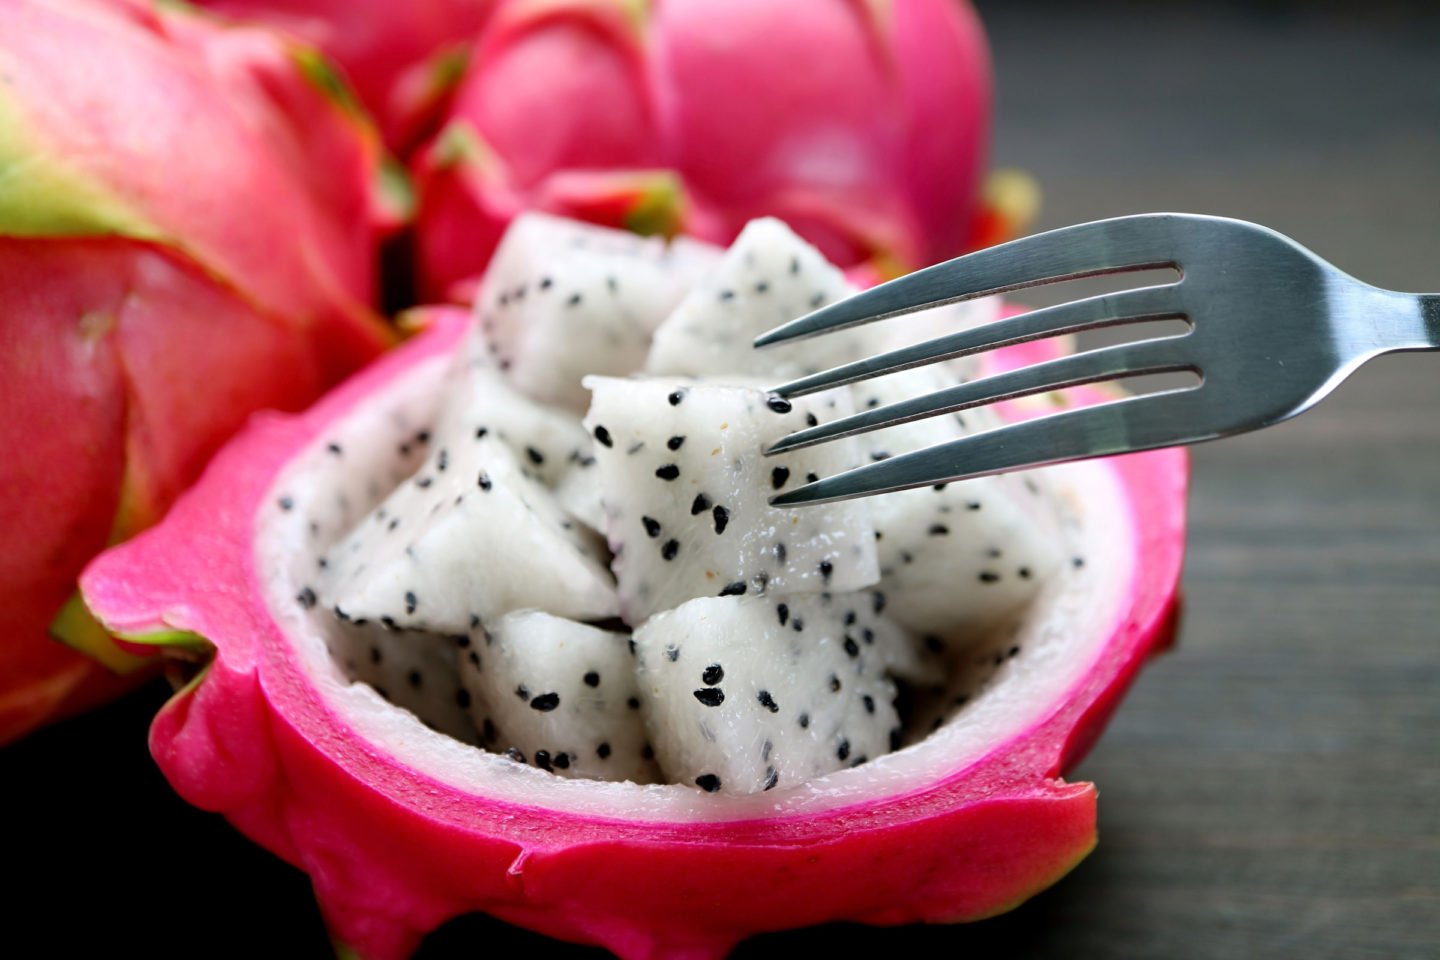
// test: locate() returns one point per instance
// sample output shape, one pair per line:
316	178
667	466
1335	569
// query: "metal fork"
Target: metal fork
1273	329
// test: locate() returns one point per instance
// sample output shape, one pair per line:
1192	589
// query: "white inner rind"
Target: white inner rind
1060	637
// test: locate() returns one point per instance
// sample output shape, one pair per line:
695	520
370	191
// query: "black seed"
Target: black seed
812	477
410	602
562	760
286	503
834	683
878	455
474	658
811	420
1023	573
797	624
414	679
375	655
475	622
818	299
804	721
322	563
422	436
794	265
652	526
592	679
859	761
667	472
546	283
878	602
765	750
306	598
545	702
602	437
672	653
771	778
424	482
779	553
1013	652
938	530
722	519
733	589
940	486
851	647
462	698
933	643
779	476
536	457
542	759
603	751
869	702
573	300
442	460
394	522
632	646
767	701
762	286
635	447
1077	562
708	782
710	696
334	448
676	397
842	752
972	505
675	443
633	703
514	754
778	404
700	505
989	576
668	551
523	692
713	674
388	622
826	569
727	295
784	613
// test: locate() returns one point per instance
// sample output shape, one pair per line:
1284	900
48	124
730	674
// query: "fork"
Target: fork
1273	328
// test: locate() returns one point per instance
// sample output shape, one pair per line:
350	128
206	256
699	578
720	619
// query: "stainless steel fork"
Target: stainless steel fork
1272	329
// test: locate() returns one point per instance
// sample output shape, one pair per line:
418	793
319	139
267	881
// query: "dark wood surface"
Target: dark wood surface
1269	789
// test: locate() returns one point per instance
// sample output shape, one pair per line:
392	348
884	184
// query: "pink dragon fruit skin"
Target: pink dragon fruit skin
393	852
863	124
146	306
399	57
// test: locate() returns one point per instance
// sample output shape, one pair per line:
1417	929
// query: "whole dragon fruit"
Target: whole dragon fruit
401	58
419	692
863	124
187	227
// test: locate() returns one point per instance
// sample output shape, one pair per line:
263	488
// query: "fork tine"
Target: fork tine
1121	426
1145	303
1159	355
1089	249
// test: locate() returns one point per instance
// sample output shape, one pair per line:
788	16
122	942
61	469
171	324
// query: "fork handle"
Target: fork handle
1430	314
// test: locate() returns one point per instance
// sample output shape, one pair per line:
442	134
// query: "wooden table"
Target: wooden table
1269	788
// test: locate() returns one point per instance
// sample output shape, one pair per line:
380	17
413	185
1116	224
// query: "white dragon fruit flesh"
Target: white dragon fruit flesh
468	538
562	300
956	559
397	595
558	694
744	694
685	485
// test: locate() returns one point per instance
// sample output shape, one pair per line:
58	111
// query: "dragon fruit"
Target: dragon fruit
614	288
143	310
403	60
559	694
773	712
805	694
684	486
863	125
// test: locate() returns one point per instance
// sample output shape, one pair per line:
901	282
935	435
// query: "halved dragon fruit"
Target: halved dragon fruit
404	821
